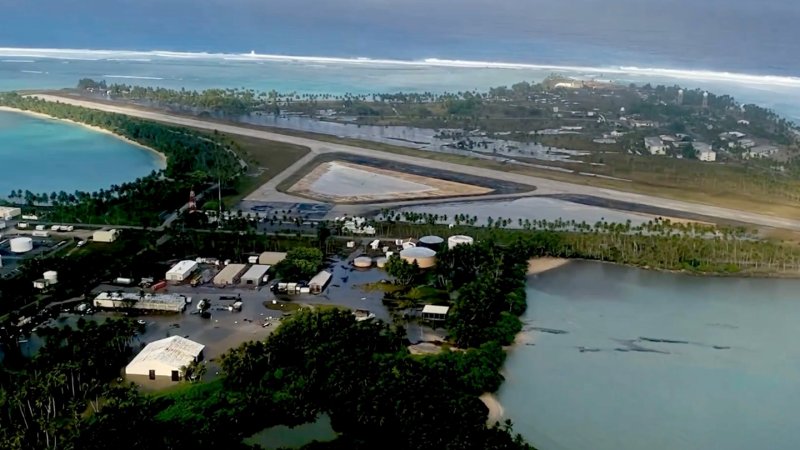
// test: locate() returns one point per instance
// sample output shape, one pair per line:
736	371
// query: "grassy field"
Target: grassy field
266	159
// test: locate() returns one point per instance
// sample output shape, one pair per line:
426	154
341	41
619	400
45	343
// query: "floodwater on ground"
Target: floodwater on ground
655	360
282	436
531	208
419	138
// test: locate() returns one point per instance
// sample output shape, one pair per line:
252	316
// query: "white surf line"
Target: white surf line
650	72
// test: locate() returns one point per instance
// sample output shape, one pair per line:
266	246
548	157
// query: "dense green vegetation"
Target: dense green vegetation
301	263
193	160
43	401
323	361
657	244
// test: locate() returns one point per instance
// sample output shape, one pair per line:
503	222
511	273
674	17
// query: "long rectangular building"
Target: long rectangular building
230	274
256	275
148	302
181	270
8	212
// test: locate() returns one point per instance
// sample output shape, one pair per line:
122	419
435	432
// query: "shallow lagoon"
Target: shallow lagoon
624	393
47	155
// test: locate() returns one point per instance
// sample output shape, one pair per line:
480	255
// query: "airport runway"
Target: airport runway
543	186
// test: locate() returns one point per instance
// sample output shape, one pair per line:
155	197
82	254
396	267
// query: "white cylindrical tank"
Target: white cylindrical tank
424	257
363	262
51	276
380	262
459	239
21	244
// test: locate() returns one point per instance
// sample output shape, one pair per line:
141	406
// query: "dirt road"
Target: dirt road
543	185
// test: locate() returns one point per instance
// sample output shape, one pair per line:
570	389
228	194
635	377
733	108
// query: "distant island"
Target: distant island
647	139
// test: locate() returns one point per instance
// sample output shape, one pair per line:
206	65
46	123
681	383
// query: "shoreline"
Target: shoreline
162	158
544	264
496	410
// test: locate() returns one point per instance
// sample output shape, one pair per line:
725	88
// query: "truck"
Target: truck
30	217
160	285
22	225
55	228
39	233
123	281
39	227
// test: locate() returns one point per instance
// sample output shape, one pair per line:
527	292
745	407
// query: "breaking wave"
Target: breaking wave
133	77
589	71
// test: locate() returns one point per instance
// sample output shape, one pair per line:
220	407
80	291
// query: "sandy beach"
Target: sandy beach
162	157
496	410
543	264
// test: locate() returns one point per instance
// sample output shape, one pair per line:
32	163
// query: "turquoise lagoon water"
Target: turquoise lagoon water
625	393
45	155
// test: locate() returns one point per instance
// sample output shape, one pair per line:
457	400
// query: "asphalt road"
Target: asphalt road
544	186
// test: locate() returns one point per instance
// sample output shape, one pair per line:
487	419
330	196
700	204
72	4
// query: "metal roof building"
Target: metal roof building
435	312
230	274
320	280
7	212
256	275
149	302
271	258
181	270
165	357
105	235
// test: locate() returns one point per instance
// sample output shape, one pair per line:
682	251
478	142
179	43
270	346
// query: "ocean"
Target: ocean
743	48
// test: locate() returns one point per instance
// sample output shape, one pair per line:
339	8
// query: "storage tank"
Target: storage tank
380	262
21	244
363	262
459	239
424	256
431	242
51	276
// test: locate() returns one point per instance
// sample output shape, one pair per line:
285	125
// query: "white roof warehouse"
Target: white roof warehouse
165	357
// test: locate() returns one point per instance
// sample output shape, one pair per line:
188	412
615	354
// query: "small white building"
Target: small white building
105	235
641	123
435	312
255	276
181	270
655	145
9	212
705	152
165	358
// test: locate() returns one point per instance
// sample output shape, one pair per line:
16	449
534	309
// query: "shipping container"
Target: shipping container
160	285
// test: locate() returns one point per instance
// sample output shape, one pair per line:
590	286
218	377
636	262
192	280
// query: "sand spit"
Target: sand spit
543	264
496	411
162	157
